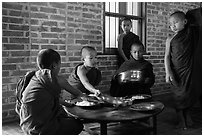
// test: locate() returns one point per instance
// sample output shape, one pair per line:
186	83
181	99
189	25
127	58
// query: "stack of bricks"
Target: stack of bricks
29	27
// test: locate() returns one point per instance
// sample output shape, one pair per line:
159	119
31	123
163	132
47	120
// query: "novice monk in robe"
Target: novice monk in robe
136	62
86	76
179	61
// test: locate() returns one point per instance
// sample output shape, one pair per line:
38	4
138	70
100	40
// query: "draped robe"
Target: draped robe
128	89
93	75
40	109
182	60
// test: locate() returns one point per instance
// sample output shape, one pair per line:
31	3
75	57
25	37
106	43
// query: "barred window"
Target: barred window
114	11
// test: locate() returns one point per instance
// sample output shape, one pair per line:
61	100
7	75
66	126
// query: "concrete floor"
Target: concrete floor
165	125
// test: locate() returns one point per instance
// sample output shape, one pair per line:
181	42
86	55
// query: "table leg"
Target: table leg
154	125
103	128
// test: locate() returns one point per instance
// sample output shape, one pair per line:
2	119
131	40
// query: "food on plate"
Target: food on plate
69	102
138	97
115	101
85	103
143	106
141	97
128	101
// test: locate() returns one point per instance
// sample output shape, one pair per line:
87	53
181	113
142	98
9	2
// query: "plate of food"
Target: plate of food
87	104
141	97
94	98
146	106
113	101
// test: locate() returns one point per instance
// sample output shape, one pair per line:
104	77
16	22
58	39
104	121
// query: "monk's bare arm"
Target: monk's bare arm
81	72
66	86
167	60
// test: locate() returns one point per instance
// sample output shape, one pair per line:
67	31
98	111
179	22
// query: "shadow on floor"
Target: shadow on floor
167	120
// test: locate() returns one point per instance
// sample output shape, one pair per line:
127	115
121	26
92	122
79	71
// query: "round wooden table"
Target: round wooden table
104	115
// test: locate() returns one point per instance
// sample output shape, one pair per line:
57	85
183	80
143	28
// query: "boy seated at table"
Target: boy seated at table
136	62
85	75
38	99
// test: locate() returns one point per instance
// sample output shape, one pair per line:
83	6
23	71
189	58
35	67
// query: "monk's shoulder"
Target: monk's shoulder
81	69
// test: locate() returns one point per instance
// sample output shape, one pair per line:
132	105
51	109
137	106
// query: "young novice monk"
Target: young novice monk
86	76
125	40
38	99
179	60
136	62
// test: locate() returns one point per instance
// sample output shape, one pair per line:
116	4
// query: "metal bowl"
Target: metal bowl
130	76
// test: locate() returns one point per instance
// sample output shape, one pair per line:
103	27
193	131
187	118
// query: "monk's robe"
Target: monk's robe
93	75
40	111
128	89
182	59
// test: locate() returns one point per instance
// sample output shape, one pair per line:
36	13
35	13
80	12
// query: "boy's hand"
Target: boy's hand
85	98
169	78
90	99
97	92
173	81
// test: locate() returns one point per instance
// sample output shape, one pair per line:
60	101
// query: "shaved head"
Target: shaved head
46	57
87	50
138	44
179	14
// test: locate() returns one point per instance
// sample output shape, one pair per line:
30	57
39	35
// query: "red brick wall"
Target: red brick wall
66	27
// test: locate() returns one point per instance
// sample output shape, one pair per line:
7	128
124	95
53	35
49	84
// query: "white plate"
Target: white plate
146	106
86	104
142	96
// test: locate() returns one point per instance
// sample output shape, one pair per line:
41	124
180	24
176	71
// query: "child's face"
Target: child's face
177	24
126	26
90	59
137	52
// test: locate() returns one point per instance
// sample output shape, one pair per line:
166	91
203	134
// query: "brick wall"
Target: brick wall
66	27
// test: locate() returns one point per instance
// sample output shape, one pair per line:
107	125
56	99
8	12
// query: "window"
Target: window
116	10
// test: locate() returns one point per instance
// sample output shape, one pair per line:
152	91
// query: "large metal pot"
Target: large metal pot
130	76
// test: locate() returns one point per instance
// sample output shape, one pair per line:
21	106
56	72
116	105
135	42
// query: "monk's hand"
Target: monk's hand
87	98
97	96
168	78
83	97
173	81
97	92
